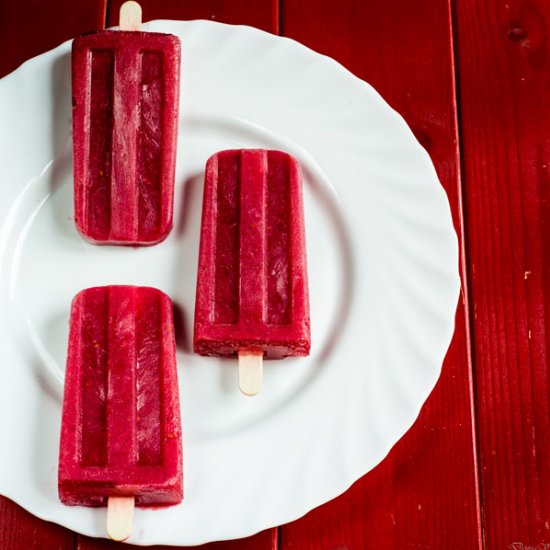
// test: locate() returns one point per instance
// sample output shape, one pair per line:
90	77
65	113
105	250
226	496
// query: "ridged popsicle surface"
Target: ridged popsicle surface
125	88
252	291
121	428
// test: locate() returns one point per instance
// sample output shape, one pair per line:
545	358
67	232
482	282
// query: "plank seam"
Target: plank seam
464	266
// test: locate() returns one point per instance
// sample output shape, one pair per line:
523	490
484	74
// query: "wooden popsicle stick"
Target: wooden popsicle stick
250	372
130	16
120	516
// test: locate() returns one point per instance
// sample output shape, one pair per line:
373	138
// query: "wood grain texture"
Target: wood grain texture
29	28
20	530
256	13
504	77
424	494
266	540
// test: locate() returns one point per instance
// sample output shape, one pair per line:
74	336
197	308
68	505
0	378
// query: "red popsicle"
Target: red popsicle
125	117
121	429
252	290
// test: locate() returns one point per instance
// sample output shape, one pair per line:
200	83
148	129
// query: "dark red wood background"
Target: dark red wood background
472	79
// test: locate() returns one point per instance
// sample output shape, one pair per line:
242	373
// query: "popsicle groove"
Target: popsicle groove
121	374
149	381
93	422
101	130
227	187
149	160
124	197
277	232
252	241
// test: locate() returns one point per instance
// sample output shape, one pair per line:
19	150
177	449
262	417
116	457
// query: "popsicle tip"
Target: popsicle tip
130	16
250	372
120	516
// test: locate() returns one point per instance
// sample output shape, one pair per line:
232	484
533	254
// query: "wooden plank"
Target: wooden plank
20	530
505	117
256	13
266	540
424	494
29	28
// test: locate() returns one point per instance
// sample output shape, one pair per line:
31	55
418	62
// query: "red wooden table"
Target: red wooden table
472	79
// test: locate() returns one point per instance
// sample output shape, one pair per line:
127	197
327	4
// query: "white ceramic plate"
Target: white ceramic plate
384	284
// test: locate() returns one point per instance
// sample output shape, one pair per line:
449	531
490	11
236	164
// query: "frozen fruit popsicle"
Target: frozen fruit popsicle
121	429
125	87
252	289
